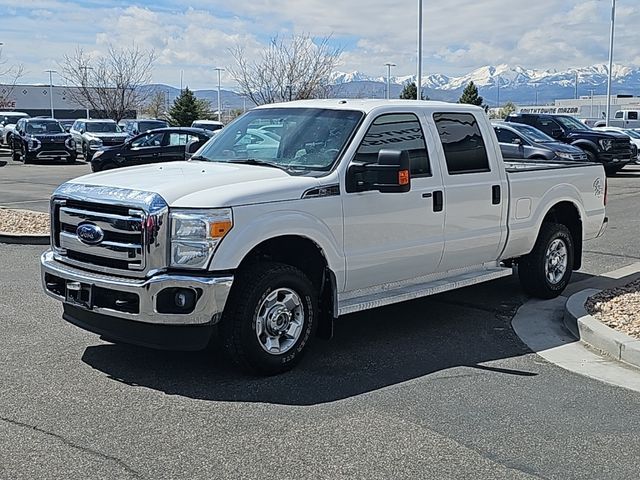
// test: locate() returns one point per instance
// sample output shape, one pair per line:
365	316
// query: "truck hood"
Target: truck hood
116	135
595	135
205	184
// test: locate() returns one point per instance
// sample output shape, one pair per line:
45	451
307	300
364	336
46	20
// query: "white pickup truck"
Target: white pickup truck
354	204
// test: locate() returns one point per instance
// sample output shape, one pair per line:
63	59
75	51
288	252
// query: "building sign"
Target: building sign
6	104
551	110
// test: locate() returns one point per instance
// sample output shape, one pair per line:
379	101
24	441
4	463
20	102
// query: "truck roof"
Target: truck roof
367	105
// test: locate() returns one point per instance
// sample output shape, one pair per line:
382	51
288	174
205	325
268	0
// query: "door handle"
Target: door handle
495	195
427	195
438	201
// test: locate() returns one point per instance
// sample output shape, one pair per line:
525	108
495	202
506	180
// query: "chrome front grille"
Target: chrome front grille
133	240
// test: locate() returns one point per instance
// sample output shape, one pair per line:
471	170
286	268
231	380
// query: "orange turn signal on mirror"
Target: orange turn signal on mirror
403	177
220	229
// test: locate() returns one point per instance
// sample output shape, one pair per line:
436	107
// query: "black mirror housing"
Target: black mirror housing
557	133
392	174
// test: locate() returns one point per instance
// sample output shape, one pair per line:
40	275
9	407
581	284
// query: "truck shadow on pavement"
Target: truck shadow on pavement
369	351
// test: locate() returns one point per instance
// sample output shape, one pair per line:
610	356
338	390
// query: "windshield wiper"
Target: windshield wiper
200	158
258	162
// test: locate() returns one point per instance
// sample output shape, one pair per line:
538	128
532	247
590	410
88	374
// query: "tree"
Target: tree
110	83
9	76
507	110
295	68
156	107
410	92
187	108
470	95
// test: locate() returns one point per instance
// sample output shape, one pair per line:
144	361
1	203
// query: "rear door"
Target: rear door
475	191
508	143
145	149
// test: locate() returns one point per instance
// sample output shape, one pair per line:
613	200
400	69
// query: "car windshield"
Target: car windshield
144	126
571	123
533	134
103	127
43	126
311	138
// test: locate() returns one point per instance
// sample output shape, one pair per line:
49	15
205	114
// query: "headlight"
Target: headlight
95	142
97	154
606	145
195	234
565	155
34	143
70	143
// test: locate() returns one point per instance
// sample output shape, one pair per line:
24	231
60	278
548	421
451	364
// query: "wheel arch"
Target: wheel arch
568	214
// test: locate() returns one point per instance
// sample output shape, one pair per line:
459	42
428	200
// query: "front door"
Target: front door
389	237
145	149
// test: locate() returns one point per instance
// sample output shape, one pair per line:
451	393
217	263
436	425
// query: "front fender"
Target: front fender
586	145
255	224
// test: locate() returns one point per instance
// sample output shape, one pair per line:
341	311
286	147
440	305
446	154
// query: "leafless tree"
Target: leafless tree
156	106
9	76
112	83
295	68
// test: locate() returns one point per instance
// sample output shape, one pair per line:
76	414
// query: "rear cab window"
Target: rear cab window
462	142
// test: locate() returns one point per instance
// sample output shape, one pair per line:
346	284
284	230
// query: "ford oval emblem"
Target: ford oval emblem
89	233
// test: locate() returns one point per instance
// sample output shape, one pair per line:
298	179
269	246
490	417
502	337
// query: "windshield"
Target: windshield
44	126
571	123
144	126
532	134
103	127
310	138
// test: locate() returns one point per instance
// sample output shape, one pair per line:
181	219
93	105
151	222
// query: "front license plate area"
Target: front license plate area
80	294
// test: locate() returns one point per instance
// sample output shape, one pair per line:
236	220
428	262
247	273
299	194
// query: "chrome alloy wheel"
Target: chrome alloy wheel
279	321
555	264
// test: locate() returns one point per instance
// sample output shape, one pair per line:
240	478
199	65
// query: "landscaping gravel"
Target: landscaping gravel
23	222
618	308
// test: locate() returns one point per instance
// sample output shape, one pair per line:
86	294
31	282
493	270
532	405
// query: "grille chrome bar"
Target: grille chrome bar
119	223
129	252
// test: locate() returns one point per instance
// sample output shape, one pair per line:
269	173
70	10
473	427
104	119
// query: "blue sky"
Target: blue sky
196	35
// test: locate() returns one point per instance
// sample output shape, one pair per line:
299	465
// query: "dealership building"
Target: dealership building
587	107
36	100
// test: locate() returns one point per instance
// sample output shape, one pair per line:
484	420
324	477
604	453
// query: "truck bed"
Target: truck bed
516	165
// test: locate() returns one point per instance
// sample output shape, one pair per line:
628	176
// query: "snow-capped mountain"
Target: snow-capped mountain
516	83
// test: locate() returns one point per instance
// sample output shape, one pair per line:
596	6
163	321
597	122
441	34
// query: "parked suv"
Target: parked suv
524	141
135	126
8	122
41	139
612	150
91	135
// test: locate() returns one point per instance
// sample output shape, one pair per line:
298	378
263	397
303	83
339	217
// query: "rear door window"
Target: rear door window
462	142
633	116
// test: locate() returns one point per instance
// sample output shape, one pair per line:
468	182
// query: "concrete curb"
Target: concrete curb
27	239
590	331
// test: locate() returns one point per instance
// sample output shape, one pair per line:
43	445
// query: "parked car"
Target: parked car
518	140
211	125
357	209
135	126
41	139
611	149
8	122
626	118
66	123
273	128
160	145
633	135
92	135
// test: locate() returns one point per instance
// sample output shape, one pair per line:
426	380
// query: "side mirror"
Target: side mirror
557	133
392	174
81	131
191	148
517	141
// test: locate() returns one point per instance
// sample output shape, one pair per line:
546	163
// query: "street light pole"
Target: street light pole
51	72
612	31
219	70
419	78
84	68
498	99
389	65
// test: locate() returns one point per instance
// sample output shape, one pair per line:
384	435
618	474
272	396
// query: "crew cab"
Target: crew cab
91	135
364	203
627	118
41	139
611	149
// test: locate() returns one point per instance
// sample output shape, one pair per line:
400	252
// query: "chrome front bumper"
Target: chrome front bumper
211	299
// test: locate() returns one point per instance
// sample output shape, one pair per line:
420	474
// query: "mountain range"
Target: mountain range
511	83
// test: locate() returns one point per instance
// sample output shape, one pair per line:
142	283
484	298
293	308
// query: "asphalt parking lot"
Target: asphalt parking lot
436	388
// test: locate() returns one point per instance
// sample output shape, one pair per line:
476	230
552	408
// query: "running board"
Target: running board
375	297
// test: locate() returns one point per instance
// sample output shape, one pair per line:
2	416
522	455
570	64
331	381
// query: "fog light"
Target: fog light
177	300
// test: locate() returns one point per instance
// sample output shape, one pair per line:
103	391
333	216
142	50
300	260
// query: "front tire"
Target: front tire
71	158
15	155
270	318
86	153
546	271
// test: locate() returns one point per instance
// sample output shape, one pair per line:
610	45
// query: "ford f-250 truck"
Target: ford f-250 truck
355	205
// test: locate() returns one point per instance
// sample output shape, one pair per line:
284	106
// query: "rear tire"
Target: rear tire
270	318
546	271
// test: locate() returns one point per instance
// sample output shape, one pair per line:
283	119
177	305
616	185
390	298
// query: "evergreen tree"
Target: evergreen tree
410	92
507	110
470	95
186	108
